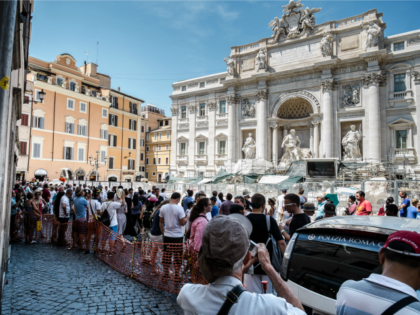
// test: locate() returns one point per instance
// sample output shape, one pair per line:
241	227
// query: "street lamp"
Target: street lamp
42	95
95	162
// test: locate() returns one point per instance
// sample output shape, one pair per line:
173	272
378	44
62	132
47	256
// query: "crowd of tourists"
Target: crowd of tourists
236	240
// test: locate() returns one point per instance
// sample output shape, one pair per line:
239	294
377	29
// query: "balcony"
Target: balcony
202	118
408	154
221	158
152	109
182	159
201	159
400	97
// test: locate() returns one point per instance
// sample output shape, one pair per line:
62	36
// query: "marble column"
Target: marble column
316	138
328	121
232	100
174	136
211	151
262	130
416	87
191	143
372	81
275	144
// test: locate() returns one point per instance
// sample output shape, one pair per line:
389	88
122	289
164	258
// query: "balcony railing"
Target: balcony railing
152	109
407	154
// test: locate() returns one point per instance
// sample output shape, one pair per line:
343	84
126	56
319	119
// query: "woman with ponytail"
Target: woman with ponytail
198	222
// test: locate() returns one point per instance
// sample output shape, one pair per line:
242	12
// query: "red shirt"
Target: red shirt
365	208
46	195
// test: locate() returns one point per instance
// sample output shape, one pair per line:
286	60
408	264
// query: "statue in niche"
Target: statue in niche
292	144
351	95
350	144
230	64
261	59
249	147
327	45
248	109
373	35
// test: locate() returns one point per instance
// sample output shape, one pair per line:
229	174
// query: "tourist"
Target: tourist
299	219
352	206
394	289
135	211
187	199
391	210
237	208
260	234
302	198
64	215
309	209
156	236
239	200
104	194
214	207
93	209
405	203
38	203
158	197
173	217
330	210
188	213
418	212
272	212
280	203
121	212
320	210
15	201
198	221
412	210
388	201
30	218
225	208
220	195
80	223
364	207
56	211
51	199
146	216
222	266
163	193
111	207
218	202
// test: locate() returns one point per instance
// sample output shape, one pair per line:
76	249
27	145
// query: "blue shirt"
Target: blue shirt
320	211
214	211
14	210
80	204
406	204
186	201
155	230
137	209
418	216
412	212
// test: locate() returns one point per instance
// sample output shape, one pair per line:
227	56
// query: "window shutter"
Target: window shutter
109	140
116	121
135	125
102	156
37	150
79	130
72	128
106	134
131	107
71	154
81	153
64	156
134	142
41	121
116	102
115	139
109	119
33	121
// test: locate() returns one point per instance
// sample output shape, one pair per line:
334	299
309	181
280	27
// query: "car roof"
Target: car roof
363	222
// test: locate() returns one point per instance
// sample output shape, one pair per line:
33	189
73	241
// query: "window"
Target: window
222	107
147	161
104	134
103	156
36	152
69	128
82	130
155	136
131	143
142	128
110	163
81	156
142	142
72	86
104	113
149	128
38	122
114	101
147	175
93	93
83	89
222	147
202	110
154	174
160	123
83	107
401	139
59	81
154	161
112	142
184	112
202	84
159	161
167	135
166	122
160	135
148	137
133	108
184	88
399	46
167	161
399	82
131	165
68	153
201	147
154	148
24	120
147	149
167	147
24	148
37	95
113	120
27	100
141	156
182	149
70	104
141	169
132	124
159	148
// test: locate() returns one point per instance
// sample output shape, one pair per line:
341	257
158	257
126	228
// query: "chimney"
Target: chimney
118	89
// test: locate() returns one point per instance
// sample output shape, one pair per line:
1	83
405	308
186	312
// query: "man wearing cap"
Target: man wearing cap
309	208
393	291
222	264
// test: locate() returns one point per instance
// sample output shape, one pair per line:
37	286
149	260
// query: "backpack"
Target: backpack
105	219
147	218
276	258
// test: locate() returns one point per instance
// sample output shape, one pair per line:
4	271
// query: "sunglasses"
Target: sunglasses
289	204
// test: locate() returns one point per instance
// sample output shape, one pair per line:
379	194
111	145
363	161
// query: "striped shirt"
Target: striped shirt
372	296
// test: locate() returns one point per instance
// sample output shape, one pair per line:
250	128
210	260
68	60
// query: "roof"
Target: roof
366	222
116	91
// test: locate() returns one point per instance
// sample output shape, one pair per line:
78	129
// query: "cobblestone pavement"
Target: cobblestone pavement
46	279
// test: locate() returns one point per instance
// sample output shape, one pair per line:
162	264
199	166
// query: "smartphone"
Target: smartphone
253	248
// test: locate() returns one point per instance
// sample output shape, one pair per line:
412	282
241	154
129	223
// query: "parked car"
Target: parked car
324	254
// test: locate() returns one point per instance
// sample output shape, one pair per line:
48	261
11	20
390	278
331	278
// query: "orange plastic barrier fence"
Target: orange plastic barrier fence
166	267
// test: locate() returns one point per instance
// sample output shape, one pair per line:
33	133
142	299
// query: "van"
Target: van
324	254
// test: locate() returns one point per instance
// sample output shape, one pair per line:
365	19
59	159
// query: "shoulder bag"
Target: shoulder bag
399	305
231	298
276	258
105	219
92	212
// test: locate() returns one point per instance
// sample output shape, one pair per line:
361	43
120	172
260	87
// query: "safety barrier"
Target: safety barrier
166	267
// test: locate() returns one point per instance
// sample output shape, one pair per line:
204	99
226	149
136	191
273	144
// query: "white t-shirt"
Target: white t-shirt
208	215
64	201
171	214
111	207
93	206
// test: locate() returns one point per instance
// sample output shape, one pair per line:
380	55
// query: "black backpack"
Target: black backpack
147	218
105	219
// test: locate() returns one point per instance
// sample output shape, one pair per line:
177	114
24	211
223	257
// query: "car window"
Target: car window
323	266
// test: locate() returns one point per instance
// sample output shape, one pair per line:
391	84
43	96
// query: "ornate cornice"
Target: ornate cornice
374	78
174	111
261	95
416	76
192	108
233	99
328	85
211	105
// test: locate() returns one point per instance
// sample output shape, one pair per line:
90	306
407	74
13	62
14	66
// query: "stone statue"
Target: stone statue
356	99
351	95
351	144
248	109
308	19
326	45
261	59
373	35
249	147
278	27
292	144
230	63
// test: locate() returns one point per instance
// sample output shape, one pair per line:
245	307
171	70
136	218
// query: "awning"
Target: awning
272	179
205	181
41	70
40	172
90	86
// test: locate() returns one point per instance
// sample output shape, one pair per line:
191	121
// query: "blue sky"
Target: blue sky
145	46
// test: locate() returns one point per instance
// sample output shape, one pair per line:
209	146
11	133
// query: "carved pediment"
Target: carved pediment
400	123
